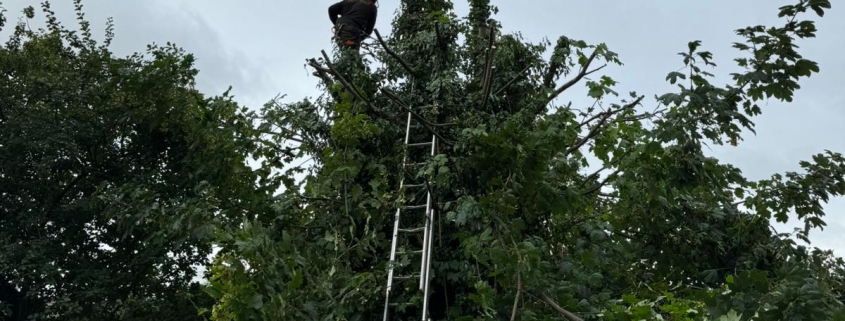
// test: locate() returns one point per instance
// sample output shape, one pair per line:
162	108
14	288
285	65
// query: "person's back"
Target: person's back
357	19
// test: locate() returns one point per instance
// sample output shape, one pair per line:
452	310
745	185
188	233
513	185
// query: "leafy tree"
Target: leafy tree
526	232
117	176
113	175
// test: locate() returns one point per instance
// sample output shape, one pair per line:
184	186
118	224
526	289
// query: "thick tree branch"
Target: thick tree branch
346	83
348	86
581	74
321	72
488	69
559	309
393	54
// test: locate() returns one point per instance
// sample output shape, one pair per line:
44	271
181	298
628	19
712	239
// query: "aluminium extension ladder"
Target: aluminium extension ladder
423	214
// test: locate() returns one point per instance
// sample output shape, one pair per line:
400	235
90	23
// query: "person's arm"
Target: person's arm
335	10
372	24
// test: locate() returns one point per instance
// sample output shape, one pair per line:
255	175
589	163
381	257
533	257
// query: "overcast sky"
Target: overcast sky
259	47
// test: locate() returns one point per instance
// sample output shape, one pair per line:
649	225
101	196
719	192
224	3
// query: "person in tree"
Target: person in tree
356	22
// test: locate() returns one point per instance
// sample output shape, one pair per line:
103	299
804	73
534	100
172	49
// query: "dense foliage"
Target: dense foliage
114	173
660	230
116	177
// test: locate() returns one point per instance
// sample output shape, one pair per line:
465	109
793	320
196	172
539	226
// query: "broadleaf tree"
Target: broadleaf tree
114	174
529	228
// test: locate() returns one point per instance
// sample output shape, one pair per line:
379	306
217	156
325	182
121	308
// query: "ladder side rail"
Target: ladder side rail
429	229
396	220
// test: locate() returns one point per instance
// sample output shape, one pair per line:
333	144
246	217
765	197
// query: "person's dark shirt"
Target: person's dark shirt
358	13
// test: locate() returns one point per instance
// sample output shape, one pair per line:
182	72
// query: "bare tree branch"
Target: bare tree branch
321	72
559	309
551	303
601	184
488	69
513	80
393	54
595	130
348	86
343	81
595	174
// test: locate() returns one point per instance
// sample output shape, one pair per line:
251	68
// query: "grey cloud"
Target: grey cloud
139	23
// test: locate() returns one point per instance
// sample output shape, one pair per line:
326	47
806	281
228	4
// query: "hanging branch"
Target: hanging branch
488	68
393	54
581	73
513	80
547	300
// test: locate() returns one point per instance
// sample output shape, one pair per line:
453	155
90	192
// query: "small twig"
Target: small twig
581	74
595	174
601	184
595	130
513	80
594	70
516	297
393	54
65	190
324	199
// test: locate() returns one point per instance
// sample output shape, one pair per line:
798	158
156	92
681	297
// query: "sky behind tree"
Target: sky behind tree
259	47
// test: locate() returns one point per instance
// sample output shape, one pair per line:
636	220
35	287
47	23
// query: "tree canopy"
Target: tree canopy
117	178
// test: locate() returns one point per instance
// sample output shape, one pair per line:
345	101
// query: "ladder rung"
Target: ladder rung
406	277
414	207
410	252
412	230
419	144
